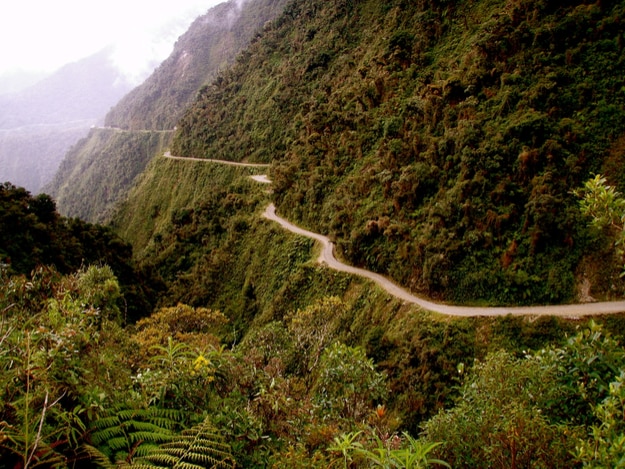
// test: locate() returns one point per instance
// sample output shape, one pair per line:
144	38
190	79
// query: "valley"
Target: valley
333	234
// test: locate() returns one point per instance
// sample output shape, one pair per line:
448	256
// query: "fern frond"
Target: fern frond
135	433
153	436
199	447
117	443
144	449
106	434
139	466
175	450
212	442
200	458
160	457
106	422
164	422
130	414
140	425
95	457
186	465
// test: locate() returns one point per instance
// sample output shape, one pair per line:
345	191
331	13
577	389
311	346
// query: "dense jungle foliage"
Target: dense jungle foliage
437	142
98	171
398	127
258	357
33	234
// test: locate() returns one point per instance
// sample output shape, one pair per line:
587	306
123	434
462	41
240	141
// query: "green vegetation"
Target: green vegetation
211	44
98	171
436	142
533	411
257	357
21	153
606	208
188	400
33	234
441	143
364	368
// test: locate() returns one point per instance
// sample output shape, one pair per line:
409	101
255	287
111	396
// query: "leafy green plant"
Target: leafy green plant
533	410
399	453
30	439
194	448
605	446
606	208
344	444
347	383
313	329
125	434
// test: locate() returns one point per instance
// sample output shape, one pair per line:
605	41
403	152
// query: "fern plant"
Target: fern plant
199	447
126	434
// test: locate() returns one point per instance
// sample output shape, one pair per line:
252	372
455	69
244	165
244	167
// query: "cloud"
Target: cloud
46	34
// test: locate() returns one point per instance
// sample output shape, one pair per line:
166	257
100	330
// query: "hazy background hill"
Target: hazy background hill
83	90
211	44
40	123
97	166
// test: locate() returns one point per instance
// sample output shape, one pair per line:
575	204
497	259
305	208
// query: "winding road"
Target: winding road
327	257
207	160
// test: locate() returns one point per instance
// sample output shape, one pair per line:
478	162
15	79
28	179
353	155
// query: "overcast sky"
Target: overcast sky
43	35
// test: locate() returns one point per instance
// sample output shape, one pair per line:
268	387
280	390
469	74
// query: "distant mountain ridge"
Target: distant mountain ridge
82	90
39	124
93	167
210	44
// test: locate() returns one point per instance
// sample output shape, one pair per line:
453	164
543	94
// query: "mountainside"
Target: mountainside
30	156
283	358
89	188
13	81
212	42
39	124
437	142
441	142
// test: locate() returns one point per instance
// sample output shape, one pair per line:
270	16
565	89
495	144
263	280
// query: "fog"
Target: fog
40	36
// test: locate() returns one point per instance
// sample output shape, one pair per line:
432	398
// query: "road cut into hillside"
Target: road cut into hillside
327	257
168	154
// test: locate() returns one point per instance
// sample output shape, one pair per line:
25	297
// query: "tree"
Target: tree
497	421
314	327
347	383
57	336
606	208
533	411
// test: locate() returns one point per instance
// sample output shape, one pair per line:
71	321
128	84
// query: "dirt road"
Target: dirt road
168	154
327	257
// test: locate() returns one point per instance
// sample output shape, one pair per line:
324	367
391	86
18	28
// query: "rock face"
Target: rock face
211	44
